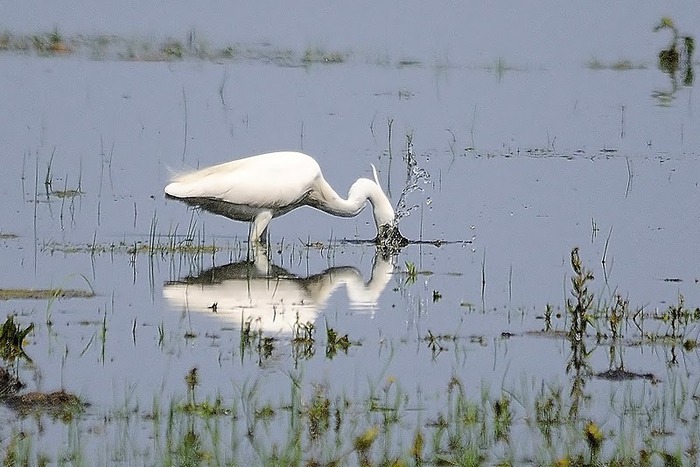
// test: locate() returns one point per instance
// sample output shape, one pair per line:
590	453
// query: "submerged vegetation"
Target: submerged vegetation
384	423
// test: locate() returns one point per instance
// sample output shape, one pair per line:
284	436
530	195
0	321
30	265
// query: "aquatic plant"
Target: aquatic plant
203	408
680	47
616	316
676	57
363	443
594	439
12	339
579	310
319	55
502	418
417	447
549	412
678	317
173	49
334	342
411	272
303	339
192	46
319	413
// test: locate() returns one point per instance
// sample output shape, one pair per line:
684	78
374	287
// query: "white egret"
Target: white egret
258	188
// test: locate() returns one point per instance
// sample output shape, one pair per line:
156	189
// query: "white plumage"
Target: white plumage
258	188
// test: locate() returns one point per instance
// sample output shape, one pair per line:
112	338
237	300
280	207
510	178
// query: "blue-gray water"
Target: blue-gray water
530	152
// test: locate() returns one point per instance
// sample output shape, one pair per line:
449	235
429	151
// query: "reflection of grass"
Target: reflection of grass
619	65
411	273
303	339
66	193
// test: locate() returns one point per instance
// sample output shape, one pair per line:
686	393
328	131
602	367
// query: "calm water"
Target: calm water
530	153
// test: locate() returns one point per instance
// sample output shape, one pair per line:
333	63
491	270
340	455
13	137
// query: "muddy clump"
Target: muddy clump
624	375
9	384
389	240
58	404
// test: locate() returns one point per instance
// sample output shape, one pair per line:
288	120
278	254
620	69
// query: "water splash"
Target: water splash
416	177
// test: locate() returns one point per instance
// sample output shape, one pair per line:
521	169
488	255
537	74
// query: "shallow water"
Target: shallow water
530	152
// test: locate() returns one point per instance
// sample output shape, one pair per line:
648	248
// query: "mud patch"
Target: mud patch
624	375
9	384
58	404
43	294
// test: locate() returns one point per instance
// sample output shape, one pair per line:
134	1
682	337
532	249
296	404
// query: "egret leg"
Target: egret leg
258	256
258	227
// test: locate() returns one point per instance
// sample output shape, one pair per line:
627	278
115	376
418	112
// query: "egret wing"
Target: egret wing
268	180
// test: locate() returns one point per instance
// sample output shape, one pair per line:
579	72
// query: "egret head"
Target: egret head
388	235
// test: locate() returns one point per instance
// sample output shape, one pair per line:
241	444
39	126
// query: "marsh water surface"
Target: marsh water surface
532	130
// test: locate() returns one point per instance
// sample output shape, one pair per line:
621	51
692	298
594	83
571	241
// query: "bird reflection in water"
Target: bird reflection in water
272	298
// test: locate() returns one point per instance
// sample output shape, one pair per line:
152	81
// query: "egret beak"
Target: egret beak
376	178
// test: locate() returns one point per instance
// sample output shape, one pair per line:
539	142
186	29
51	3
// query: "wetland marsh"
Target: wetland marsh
546	312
